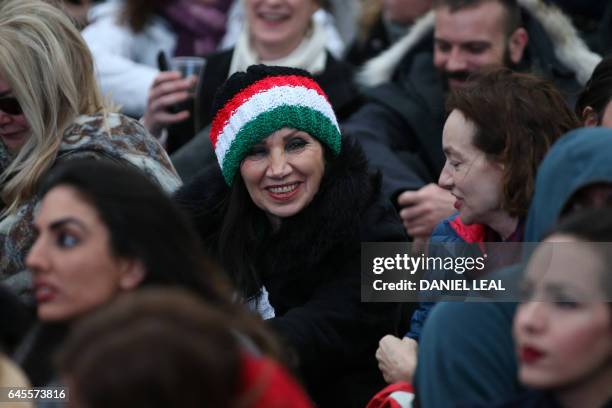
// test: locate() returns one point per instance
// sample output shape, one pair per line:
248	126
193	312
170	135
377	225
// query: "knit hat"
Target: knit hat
252	105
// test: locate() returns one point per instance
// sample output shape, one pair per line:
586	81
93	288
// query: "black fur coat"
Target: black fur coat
311	269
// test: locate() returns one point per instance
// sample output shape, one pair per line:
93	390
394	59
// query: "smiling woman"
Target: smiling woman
300	202
51	111
283	173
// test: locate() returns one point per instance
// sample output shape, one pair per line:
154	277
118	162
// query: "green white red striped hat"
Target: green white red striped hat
252	105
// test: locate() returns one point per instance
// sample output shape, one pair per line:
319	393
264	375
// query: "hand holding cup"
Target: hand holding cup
169	100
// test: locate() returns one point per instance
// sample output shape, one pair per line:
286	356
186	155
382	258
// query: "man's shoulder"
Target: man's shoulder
556	51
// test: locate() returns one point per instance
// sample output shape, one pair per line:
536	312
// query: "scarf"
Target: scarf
310	55
199	27
103	135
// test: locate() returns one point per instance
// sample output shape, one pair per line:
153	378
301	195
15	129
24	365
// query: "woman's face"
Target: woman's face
14	128
474	180
563	331
283	173
279	25
71	261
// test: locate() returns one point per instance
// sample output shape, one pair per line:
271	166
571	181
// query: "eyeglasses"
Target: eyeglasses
10	105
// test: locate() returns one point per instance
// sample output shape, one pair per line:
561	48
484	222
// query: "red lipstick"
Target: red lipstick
283	195
530	355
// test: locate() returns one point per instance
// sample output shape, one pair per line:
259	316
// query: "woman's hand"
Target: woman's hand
167	90
397	358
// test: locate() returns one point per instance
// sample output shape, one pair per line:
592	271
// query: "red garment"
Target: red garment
398	395
265	384
473	233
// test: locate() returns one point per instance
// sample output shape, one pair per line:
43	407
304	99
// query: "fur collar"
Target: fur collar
570	50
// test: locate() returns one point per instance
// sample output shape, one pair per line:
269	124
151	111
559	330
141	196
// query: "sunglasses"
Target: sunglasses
10	105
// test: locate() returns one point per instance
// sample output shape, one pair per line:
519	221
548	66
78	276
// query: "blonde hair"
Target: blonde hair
50	70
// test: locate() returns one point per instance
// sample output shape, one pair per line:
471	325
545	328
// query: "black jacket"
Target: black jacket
16	321
375	41
336	81
311	269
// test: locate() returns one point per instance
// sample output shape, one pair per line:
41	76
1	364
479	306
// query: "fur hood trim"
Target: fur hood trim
570	49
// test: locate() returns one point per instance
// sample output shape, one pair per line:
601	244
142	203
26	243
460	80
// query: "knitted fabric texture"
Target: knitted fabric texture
255	104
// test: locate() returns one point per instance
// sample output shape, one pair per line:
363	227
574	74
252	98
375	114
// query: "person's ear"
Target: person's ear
132	274
590	117
517	44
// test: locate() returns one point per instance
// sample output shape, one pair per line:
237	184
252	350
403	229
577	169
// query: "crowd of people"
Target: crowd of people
170	240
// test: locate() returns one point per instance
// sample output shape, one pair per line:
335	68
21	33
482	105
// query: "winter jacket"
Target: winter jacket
103	136
401	125
373	43
336	81
126	62
474	339
459	237
311	269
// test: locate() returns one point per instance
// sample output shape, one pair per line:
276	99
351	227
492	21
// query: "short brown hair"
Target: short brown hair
156	347
518	117
513	18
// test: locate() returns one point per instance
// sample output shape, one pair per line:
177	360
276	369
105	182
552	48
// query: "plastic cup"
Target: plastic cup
189	66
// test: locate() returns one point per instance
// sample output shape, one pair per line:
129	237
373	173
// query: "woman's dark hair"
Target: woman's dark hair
518	117
237	241
143	223
146	225
243	226
16	322
154	348
597	92
593	225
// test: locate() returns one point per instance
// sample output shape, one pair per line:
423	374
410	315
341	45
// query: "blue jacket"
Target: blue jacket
448	231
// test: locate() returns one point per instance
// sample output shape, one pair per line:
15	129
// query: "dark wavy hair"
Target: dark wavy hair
142	221
145	224
597	92
593	225
518	117
155	348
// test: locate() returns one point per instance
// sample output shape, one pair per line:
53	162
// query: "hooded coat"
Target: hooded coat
311	270
474	340
401	125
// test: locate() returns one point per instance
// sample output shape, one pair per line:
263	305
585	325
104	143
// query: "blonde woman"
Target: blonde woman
51	110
